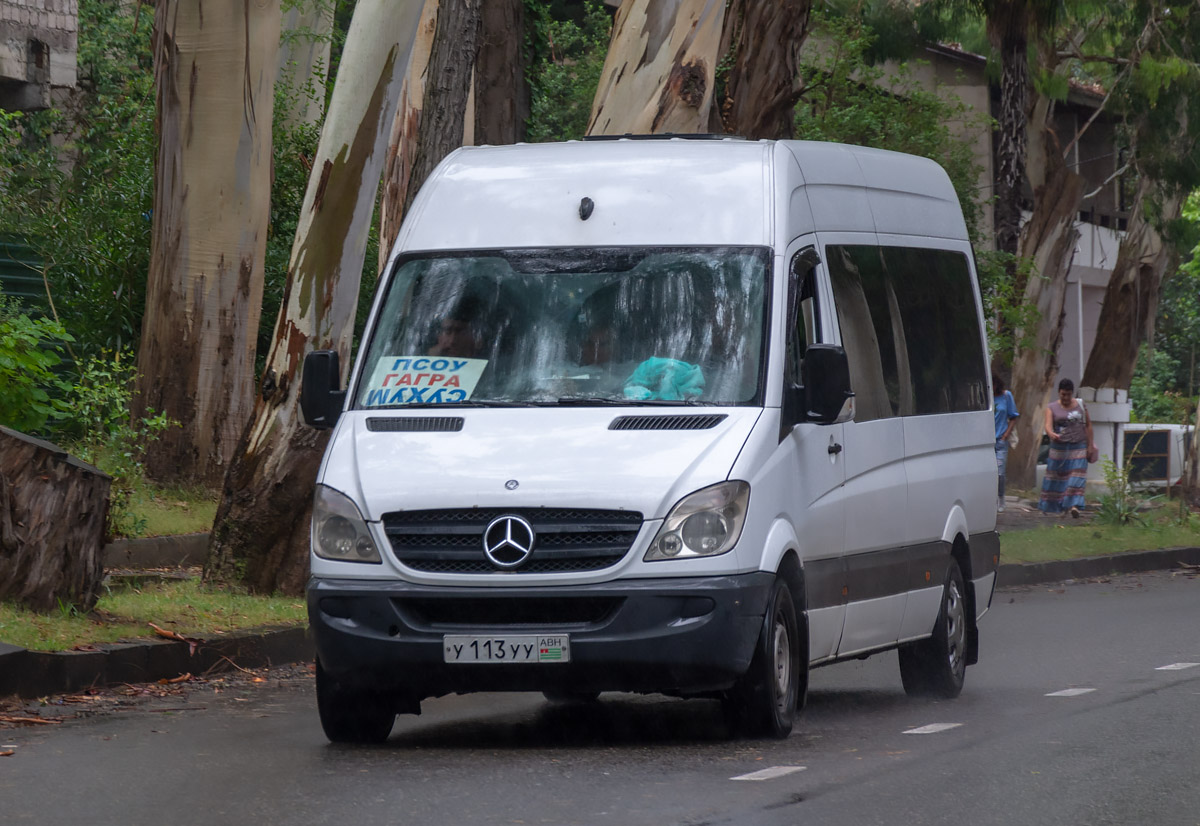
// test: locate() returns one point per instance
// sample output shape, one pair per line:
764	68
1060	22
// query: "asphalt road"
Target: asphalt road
1121	748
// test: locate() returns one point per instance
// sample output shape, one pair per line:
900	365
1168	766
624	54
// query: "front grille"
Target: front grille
555	612
568	540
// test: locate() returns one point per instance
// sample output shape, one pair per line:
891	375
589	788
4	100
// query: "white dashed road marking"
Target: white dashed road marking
771	773
1176	666
933	728
1070	692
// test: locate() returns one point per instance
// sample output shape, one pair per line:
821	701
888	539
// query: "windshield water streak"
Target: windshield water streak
597	326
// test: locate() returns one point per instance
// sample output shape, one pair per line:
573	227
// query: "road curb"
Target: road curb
1129	562
157	551
39	673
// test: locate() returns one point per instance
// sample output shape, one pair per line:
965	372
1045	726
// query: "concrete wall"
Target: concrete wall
37	51
956	74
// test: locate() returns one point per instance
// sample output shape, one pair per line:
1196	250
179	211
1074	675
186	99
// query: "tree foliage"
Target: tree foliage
850	100
29	352
1177	333
77	180
568	58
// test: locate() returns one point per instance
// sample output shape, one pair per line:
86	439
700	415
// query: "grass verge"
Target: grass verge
159	511
186	607
1065	540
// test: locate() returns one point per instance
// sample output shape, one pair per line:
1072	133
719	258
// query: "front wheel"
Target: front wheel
352	715
763	702
936	667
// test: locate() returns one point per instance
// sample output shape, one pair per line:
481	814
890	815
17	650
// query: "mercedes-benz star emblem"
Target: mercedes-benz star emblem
508	541
512	484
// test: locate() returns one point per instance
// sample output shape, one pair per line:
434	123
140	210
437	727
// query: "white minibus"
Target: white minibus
687	416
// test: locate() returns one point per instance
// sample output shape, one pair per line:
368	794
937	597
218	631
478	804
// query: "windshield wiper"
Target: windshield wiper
451	405
592	401
598	401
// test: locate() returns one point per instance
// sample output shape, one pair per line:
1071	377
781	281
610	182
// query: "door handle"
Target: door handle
835	448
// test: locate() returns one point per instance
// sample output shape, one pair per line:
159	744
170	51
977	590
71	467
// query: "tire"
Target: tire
556	696
936	667
763	701
350	715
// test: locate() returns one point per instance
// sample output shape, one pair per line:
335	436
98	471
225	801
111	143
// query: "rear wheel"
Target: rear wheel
763	702
352	715
936	667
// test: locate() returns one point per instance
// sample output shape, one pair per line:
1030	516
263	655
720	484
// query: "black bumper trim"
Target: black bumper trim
687	636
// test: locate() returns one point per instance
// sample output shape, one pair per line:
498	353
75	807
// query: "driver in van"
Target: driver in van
598	346
459	334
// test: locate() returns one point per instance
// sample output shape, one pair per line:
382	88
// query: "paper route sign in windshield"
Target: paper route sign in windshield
422	380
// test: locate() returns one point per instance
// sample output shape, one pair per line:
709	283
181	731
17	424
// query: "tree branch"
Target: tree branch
1107	181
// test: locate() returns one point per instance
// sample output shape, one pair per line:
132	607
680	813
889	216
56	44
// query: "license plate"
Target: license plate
515	648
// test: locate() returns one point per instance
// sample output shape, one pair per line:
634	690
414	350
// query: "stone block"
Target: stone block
1088	394
1109	412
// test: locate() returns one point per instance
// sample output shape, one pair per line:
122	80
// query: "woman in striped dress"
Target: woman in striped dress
1070	430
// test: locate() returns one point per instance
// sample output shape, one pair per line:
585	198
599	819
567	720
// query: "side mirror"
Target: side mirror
320	399
828	398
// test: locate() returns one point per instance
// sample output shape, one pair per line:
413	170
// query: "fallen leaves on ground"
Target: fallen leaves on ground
28	721
172	695
1186	570
174	635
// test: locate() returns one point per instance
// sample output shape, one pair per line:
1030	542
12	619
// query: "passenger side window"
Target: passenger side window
871	333
910	330
936	300
804	323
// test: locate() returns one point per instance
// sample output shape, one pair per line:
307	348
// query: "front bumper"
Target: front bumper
686	636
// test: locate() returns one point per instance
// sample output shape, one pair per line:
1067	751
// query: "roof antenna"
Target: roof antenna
586	205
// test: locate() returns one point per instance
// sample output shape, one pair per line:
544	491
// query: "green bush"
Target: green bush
1153	393
31	393
97	428
1119	504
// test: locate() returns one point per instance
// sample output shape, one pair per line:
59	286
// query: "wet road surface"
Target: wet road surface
1083	710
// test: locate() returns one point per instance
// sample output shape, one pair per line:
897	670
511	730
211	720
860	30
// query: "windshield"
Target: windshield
578	326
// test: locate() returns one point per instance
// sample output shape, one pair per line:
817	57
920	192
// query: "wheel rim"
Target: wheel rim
783	662
956	625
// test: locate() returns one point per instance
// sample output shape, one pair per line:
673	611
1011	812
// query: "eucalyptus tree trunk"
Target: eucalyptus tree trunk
1131	298
1048	240
447	89
304	59
658	76
260	535
764	38
215	69
406	130
1007	27
502	97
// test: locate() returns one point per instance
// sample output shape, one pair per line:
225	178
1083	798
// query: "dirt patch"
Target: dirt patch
1023	515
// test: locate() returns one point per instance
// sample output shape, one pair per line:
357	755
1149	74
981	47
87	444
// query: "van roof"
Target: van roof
669	192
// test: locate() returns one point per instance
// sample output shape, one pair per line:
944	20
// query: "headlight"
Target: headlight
338	529
705	523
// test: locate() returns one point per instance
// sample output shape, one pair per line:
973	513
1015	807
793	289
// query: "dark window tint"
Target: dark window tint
866	310
945	348
910	329
804	329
